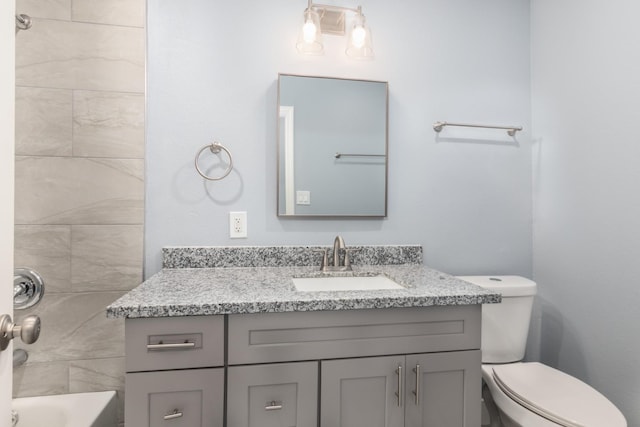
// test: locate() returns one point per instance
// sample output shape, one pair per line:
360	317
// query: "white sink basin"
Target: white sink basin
350	283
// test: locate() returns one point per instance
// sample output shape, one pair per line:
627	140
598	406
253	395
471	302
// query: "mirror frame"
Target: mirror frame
279	151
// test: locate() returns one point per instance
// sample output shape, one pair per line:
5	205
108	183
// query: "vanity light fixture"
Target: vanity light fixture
321	19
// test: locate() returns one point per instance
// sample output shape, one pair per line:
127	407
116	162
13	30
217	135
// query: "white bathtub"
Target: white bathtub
67	410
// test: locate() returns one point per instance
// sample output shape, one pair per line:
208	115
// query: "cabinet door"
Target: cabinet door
273	395
189	398
443	389
366	392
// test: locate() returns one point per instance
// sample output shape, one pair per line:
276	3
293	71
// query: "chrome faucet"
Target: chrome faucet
338	244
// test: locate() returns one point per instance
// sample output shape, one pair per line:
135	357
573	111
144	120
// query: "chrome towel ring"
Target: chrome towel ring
215	148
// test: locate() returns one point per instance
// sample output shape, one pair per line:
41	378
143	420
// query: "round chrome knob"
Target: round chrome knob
28	332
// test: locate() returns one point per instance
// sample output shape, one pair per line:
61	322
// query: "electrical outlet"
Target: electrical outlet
237	225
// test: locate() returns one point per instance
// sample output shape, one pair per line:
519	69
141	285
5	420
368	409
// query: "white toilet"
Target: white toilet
530	394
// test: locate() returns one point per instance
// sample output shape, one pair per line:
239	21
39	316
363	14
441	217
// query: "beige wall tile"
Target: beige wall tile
46	249
96	375
103	65
99	375
74	326
43	122
114	12
71	55
107	124
52	9
40	379
106	257
57	190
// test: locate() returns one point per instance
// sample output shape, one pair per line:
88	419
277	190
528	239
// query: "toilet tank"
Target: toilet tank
505	326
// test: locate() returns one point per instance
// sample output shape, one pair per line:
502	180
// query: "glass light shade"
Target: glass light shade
310	37
359	45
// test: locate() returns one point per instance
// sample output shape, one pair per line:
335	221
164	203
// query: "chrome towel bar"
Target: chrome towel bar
340	155
511	130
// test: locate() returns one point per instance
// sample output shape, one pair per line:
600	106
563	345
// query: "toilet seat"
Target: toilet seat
556	396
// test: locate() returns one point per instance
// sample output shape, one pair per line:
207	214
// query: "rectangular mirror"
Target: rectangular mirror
332	147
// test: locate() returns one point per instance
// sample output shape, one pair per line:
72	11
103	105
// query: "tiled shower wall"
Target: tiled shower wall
79	184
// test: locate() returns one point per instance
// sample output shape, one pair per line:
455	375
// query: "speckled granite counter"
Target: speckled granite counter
257	289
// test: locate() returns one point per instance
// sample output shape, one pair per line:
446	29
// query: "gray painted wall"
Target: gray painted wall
465	195
586	110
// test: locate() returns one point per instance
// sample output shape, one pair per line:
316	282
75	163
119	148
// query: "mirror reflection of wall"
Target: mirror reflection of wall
332	144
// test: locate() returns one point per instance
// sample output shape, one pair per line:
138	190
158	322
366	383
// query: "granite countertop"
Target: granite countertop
237	290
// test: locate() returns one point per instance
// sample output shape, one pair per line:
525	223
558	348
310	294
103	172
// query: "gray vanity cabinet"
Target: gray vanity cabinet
346	368
419	390
273	395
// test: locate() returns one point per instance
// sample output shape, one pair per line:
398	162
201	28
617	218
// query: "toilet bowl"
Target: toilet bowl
530	394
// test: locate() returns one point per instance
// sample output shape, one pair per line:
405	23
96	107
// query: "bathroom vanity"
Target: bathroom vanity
240	346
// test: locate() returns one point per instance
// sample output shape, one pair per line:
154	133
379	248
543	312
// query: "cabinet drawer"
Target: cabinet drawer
174	343
192	398
275	337
273	395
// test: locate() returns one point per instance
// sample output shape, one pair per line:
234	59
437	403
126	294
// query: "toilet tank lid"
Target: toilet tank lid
508	286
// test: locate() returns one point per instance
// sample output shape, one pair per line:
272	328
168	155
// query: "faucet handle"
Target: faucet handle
347	260
325	260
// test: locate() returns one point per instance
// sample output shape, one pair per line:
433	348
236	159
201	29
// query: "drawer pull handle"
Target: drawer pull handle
171	346
273	406
417	390
400	386
172	416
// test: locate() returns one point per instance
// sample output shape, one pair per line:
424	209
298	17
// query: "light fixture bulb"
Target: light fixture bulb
309	31
358	36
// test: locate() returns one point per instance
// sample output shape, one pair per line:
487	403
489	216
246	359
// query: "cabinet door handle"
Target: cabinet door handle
170	346
399	392
417	390
273	406
172	416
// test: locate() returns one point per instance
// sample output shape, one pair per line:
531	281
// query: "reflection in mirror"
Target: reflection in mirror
332	147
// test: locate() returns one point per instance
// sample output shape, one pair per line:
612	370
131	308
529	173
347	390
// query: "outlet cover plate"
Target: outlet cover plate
237	225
